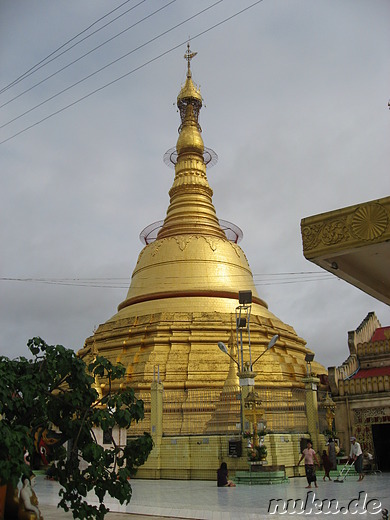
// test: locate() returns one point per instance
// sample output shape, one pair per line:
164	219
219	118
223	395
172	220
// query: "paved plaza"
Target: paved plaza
203	500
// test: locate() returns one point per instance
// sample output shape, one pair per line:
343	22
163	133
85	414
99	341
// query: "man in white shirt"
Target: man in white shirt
356	455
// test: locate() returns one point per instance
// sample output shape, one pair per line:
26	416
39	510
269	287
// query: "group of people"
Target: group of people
329	461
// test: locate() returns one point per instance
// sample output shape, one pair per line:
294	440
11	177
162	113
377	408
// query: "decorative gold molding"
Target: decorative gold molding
370	221
183	241
346	227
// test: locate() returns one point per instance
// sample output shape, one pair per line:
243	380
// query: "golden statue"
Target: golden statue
28	501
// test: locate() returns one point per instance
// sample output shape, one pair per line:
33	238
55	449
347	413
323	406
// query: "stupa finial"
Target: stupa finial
188	56
191	211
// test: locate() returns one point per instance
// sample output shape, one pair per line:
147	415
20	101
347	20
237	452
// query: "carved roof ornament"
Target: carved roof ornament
370	221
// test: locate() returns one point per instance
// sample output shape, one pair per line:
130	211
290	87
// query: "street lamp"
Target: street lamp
224	349
274	339
246	376
245	372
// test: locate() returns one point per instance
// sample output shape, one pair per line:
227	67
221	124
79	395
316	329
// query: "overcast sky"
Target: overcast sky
296	95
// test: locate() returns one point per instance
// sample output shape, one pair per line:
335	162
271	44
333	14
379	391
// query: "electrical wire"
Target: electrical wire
111	63
159	56
123	283
80	58
42	63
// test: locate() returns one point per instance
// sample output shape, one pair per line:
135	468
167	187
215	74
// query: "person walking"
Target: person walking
356	455
310	457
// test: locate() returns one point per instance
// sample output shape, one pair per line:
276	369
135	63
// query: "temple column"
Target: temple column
156	412
311	383
156	427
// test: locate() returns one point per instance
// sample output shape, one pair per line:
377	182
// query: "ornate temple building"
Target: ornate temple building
182	301
361	390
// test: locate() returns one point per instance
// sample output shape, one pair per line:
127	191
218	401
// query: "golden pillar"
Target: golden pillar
156	411
311	383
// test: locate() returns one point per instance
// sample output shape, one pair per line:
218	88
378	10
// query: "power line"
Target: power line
131	71
109	64
123	283
42	63
80	58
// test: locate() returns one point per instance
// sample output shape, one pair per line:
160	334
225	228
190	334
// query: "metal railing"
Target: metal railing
209	411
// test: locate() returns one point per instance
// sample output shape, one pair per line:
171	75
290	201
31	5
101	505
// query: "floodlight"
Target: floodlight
309	357
244	297
241	323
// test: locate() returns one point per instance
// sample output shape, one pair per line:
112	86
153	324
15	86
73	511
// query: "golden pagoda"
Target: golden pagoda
184	292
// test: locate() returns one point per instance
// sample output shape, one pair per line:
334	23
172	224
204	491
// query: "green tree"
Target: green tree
57	389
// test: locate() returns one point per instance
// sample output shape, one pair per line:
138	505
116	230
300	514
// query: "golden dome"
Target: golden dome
189	90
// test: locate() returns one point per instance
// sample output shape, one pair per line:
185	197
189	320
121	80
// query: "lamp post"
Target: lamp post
243	315
245	371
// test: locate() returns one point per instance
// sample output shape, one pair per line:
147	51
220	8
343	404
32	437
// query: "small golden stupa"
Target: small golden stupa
184	290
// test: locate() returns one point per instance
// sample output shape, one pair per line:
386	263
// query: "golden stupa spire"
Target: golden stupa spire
191	210
191	256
